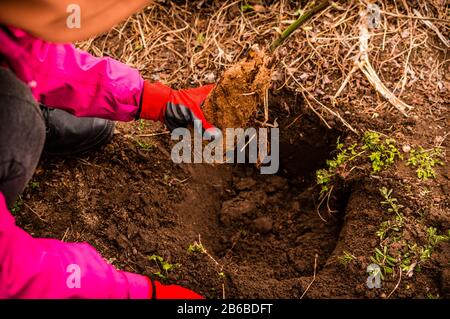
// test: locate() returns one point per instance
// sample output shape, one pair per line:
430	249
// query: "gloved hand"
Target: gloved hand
160	291
176	108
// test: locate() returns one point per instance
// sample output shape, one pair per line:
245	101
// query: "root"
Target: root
242	88
364	65
314	277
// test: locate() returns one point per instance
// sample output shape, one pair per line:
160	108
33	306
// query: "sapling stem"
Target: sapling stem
297	23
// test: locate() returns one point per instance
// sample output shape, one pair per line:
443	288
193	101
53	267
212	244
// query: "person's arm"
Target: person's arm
61	76
47	19
64	77
47	268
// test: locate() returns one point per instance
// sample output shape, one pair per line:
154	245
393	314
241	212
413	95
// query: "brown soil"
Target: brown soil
235	99
264	231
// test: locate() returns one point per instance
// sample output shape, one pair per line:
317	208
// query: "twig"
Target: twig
344	84
414	17
297	23
295	120
314	277
367	69
214	260
434	28
315	111
443	139
65	234
396	286
327	108
34	212
330	211
154	134
266	105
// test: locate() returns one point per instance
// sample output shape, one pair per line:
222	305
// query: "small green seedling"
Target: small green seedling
17	205
389	226
33	185
434	238
346	258
382	153
391	202
432	241
431	296
246	7
196	248
425	160
384	260
323	177
411	256
423	253
337	165
164	266
141	124
144	145
201	38
405	264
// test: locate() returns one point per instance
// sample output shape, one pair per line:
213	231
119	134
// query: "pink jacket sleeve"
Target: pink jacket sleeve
48	268
64	77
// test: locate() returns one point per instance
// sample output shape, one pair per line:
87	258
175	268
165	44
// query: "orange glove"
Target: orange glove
176	108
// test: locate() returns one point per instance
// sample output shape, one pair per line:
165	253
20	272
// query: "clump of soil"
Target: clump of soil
236	97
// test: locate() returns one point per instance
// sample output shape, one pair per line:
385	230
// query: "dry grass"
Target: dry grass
403	66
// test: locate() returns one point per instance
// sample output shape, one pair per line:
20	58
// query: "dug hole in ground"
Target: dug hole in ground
228	231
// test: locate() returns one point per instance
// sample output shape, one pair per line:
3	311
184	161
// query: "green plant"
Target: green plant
17	205
405	263
391	202
431	296
144	145
382	153
246	7
140	124
432	240
33	185
196	248
384	260
323	177
406	255
337	165
389	226
164	266
297	23
346	258
201	38
425	160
